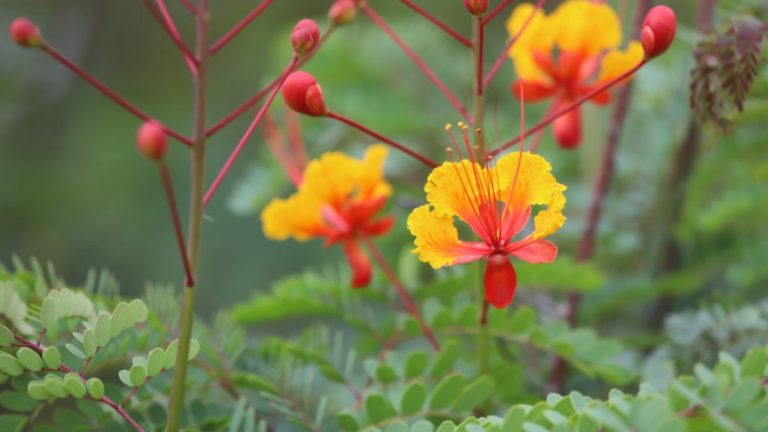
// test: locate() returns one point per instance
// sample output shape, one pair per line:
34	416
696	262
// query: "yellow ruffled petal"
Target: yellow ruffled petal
453	188
372	184
297	216
535	185
539	36
331	178
617	62
436	238
586	27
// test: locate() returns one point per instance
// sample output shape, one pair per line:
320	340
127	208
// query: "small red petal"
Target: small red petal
359	263
535	91
500	281
379	226
567	129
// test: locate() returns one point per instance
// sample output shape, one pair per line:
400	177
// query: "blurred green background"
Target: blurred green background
73	189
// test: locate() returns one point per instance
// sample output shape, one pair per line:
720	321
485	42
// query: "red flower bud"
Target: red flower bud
151	140
303	94
25	33
567	129
342	12
304	37
476	7
658	32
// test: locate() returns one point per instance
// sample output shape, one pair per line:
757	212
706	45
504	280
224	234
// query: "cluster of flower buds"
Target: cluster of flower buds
342	12
658	31
304	37
303	94
25	33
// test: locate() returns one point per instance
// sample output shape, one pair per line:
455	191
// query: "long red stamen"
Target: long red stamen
519	158
474	200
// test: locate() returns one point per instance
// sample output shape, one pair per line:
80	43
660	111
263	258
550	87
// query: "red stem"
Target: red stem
110	93
234	31
418	156
587	243
173	32
497	10
505	52
479	87
245	106
451	32
104	399
379	21
552	117
405	297
484	314
247	135
187	4
165	174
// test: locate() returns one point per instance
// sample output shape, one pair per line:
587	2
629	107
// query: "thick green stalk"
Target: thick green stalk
194	236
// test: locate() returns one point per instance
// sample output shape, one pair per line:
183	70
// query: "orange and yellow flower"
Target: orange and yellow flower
496	203
338	200
585	35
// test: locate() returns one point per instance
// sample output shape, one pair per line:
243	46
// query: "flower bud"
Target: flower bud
342	12
151	140
303	94
658	31
25	33
476	7
304	37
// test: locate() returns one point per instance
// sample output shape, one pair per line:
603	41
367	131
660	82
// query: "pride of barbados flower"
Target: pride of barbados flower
586	36
496	202
338	200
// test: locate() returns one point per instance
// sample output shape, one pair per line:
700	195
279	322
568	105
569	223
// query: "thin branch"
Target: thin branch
247	135
161	15
511	42
239	27
110	93
165	176
190	7
245	106
497	10
418	156
451	32
405	297
379	21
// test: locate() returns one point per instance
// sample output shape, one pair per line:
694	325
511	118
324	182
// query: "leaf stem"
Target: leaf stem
234	31
443	26
197	181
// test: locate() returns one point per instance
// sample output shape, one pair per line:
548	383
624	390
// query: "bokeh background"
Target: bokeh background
73	189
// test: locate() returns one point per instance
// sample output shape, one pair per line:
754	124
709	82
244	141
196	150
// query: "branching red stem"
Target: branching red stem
379	21
166	21
552	117
505	52
497	10
245	106
190	7
451	32
110	93
405	297
234	31
247	135
418	156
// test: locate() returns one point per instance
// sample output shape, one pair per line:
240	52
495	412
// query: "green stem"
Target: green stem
197	179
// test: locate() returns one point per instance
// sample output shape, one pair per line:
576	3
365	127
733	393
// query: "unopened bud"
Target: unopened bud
342	12
304	37
476	7
303	94
658	31
25	33
151	140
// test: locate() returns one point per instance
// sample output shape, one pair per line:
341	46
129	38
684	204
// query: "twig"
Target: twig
239	27
443	26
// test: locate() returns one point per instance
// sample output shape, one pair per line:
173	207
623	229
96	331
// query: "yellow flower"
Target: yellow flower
337	200
587	37
496	202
